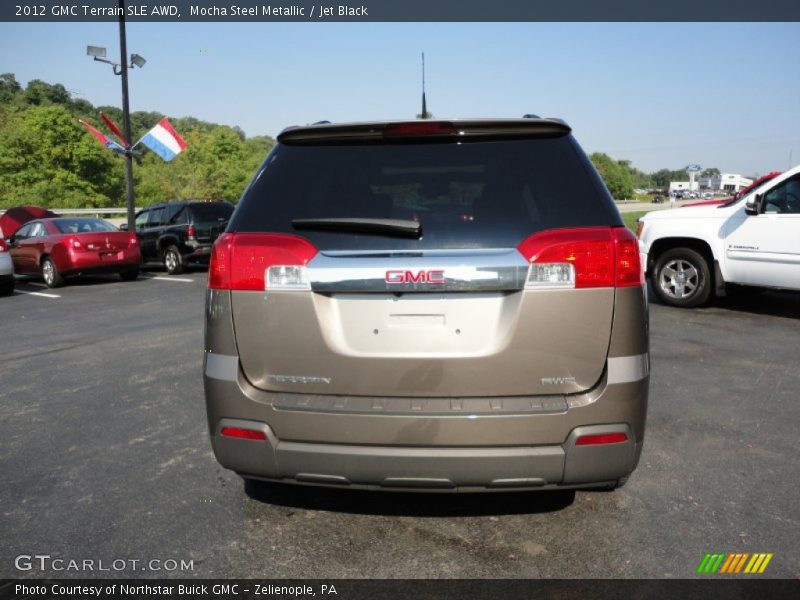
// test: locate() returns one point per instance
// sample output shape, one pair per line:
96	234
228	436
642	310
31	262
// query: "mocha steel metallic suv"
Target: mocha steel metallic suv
427	305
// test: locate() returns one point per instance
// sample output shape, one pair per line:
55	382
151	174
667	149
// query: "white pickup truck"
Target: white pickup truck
691	253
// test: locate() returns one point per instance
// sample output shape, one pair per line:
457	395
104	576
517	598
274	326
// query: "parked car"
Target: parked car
178	233
693	254
57	248
6	270
427	305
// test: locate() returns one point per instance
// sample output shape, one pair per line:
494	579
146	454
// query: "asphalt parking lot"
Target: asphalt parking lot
104	455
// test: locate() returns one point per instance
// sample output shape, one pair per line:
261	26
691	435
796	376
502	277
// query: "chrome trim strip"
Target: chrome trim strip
453	270
626	369
221	366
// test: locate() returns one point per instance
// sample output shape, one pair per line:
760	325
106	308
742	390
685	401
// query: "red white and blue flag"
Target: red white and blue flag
110	144
164	140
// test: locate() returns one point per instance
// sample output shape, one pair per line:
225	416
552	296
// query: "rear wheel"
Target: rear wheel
173	261
52	278
130	275
682	278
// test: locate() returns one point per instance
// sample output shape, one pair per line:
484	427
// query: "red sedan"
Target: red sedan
56	248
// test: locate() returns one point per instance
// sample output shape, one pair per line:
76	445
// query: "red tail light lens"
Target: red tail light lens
603	438
74	242
244	434
583	258
628	265
258	261
191	232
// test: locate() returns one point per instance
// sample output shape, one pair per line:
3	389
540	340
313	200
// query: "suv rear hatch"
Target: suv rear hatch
390	260
209	219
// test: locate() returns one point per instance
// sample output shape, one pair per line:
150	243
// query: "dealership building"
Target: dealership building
724	182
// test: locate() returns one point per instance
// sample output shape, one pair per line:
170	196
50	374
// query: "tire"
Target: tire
130	274
6	289
173	261
52	278
682	278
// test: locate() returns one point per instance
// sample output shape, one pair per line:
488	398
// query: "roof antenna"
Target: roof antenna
425	114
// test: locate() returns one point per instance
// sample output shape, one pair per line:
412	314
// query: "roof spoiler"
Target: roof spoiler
395	130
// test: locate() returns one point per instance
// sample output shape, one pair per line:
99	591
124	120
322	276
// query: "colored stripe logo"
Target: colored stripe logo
734	563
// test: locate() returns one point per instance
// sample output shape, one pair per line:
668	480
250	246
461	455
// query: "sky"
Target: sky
661	95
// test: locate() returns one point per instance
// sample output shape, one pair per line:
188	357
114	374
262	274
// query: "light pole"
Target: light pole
121	68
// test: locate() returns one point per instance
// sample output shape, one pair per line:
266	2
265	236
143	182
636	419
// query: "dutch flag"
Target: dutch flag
110	144
164	140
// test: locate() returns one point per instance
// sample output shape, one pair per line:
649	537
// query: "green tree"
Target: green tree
616	175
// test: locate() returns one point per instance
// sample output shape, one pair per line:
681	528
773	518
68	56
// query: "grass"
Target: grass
630	218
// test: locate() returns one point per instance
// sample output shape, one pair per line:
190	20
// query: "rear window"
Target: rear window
82	225
487	194
212	211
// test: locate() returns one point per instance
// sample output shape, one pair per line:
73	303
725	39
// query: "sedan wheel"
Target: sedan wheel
52	278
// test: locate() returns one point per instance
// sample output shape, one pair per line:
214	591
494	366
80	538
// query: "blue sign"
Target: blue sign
693	168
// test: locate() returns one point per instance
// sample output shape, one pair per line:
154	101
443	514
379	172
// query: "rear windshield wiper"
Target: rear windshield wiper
394	227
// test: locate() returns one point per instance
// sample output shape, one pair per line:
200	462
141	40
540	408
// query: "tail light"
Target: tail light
191	232
582	258
259	261
133	240
73	242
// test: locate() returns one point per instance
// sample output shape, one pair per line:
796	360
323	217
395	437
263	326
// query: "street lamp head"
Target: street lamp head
96	51
137	61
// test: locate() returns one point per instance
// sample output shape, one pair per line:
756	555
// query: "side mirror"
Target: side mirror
123	227
753	204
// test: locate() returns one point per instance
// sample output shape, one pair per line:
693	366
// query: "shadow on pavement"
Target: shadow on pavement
408	504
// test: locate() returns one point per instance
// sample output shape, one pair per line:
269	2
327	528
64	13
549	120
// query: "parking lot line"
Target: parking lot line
42	294
169	279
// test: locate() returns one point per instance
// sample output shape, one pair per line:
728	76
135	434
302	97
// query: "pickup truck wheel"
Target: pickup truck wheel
682	278
173	261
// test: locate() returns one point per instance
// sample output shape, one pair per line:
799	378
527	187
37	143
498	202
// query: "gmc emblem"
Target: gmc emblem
423	276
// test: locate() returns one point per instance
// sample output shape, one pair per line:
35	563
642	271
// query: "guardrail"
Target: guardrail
85	211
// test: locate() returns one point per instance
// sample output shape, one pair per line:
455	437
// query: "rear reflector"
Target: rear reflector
602	438
582	258
259	261
423	128
244	434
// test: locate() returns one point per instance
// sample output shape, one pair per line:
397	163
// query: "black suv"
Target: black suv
181	232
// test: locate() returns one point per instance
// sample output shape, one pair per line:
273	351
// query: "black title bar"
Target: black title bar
403	10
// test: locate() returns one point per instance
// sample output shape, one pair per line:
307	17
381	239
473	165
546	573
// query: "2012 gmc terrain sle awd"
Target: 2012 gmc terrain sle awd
427	305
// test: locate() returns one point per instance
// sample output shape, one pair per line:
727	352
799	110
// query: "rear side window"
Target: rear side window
211	212
83	225
487	194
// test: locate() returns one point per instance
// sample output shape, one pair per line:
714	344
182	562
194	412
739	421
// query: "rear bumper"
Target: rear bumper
196	253
391	444
88	262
